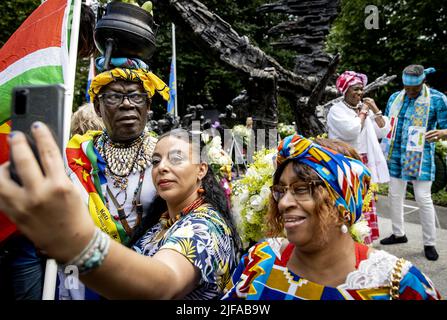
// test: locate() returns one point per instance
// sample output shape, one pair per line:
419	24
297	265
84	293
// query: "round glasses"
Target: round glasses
114	99
299	190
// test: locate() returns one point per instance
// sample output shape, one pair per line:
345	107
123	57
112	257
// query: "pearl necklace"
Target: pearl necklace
356	108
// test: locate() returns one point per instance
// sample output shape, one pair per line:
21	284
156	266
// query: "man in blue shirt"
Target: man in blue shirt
415	114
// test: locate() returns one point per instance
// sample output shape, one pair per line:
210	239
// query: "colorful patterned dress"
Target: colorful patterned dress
263	275
370	209
205	239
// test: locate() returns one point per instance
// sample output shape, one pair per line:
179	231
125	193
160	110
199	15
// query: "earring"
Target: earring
344	228
200	191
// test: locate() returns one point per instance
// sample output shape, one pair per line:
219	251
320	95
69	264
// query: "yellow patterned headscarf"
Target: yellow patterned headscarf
150	81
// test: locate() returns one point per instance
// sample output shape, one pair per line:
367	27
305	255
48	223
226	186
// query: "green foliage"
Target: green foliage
410	32
13	13
201	77
285	113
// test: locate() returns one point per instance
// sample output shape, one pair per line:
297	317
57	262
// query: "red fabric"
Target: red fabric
286	254
7	228
361	253
49	16
411	294
348	79
371	214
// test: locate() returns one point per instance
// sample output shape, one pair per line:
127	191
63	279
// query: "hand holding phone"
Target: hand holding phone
43	103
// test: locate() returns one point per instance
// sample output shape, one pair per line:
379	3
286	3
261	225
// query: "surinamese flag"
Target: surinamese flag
37	53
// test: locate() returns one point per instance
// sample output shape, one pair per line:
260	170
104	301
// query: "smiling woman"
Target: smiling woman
317	194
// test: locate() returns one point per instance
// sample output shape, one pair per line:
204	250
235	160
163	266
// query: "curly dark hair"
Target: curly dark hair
213	195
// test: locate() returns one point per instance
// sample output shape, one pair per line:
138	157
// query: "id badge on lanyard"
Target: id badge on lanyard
416	138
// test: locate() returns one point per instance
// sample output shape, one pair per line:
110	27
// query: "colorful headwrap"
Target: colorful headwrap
412	80
348	79
133	70
346	179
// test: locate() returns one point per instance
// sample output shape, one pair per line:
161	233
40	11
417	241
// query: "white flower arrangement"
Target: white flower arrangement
216	154
360	230
220	163
243	132
285	130
250	197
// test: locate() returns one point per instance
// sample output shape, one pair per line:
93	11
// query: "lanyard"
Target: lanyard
136	205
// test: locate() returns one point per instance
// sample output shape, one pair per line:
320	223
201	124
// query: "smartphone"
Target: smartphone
33	103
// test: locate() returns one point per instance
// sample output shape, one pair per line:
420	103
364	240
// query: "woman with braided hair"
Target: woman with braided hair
317	197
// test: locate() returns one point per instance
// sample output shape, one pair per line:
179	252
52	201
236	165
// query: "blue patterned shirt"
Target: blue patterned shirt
205	239
437	118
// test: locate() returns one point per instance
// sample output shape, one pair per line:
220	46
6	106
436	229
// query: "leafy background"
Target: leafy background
410	31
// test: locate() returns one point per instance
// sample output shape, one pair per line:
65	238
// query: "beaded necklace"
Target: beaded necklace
166	221
356	108
124	159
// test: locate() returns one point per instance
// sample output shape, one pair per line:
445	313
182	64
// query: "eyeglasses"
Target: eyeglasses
175	158
299	191
114	99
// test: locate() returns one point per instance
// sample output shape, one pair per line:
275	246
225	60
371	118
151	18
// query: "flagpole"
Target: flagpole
175	69
72	59
49	286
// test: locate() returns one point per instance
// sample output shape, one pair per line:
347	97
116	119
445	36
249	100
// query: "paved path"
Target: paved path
414	249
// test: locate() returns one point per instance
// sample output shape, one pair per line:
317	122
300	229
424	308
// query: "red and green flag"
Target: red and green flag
37	53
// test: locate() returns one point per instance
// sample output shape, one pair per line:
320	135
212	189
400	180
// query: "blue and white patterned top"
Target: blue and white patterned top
437	117
206	240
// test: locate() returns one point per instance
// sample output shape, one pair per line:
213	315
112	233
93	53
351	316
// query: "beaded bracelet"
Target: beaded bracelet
377	114
93	255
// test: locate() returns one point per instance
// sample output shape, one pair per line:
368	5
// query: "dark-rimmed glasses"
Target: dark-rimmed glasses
114	99
299	190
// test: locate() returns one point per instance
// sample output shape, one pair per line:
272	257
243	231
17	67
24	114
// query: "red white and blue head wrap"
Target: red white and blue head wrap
348	79
413	80
346	179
